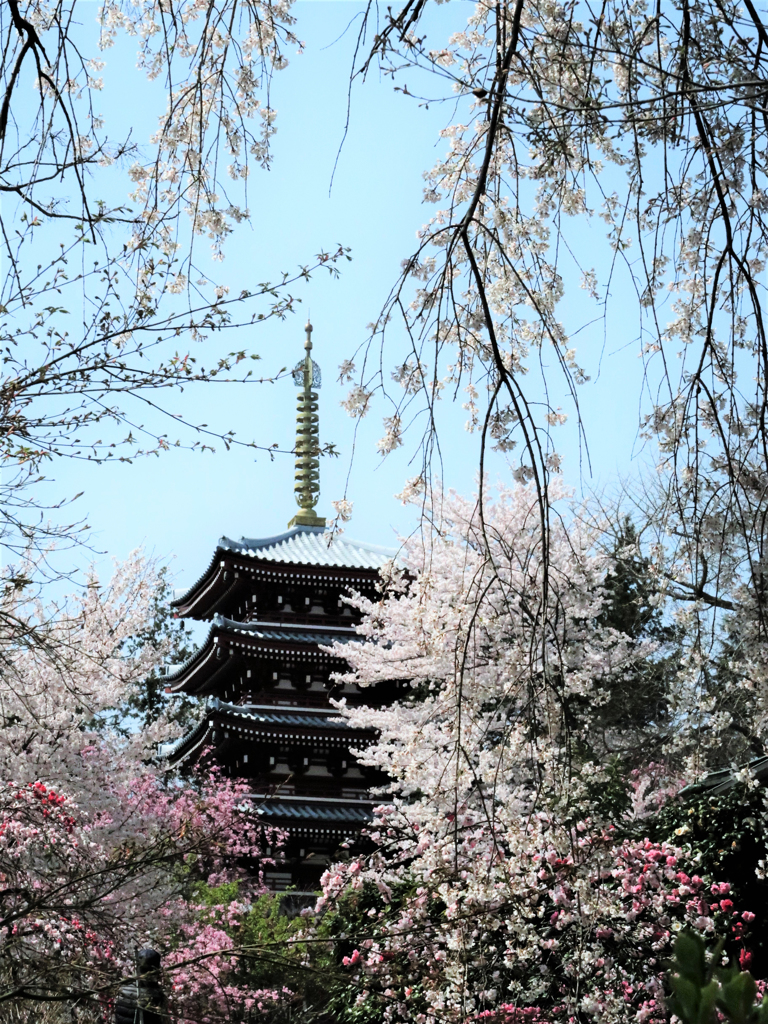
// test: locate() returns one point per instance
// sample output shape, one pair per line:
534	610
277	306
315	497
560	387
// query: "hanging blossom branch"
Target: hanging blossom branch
653	123
96	335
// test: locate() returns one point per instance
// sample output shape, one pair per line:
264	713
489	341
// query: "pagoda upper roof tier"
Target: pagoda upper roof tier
304	547
257	723
312	545
228	639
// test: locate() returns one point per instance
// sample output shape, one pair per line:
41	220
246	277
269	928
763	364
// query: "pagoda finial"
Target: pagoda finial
306	375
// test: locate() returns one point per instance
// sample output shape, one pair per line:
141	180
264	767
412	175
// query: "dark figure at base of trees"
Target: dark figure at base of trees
141	1000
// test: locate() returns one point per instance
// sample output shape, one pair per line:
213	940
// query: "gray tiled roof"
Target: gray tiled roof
309	545
300	811
724	779
299	718
166	750
264	631
278	631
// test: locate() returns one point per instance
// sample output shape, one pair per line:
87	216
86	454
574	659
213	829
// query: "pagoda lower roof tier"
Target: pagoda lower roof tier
253	724
292	812
303	553
723	779
229	641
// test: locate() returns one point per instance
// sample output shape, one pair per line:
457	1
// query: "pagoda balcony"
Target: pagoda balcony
315	618
335	794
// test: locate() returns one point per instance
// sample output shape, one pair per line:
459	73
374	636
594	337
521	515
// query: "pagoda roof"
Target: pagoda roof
269	714
207	661
723	779
303	809
286	632
260	721
185	744
311	547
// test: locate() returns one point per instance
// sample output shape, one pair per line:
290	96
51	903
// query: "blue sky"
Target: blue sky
177	506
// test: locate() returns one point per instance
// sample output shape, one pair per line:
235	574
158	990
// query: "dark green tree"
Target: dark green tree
629	729
171	635
639	702
728	679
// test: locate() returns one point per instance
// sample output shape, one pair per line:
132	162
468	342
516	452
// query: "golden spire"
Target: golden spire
306	375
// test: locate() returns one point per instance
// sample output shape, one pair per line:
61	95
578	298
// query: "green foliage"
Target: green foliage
266	938
166	632
728	835
272	934
727	830
700	991
631	608
212	896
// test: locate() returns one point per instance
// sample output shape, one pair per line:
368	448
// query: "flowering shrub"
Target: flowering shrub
100	852
727	833
572	924
249	945
81	892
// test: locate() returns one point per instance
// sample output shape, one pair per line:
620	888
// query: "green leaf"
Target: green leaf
709	997
737	998
689	954
687	999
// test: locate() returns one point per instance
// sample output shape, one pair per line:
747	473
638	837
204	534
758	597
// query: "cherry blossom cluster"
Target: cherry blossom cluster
491	658
502	877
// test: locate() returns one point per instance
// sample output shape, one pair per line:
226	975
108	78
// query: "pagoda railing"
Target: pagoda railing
316	620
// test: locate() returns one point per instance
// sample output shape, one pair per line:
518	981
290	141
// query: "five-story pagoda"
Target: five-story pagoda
273	604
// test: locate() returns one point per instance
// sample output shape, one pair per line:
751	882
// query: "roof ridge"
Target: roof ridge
278	537
299	627
215	703
256	544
